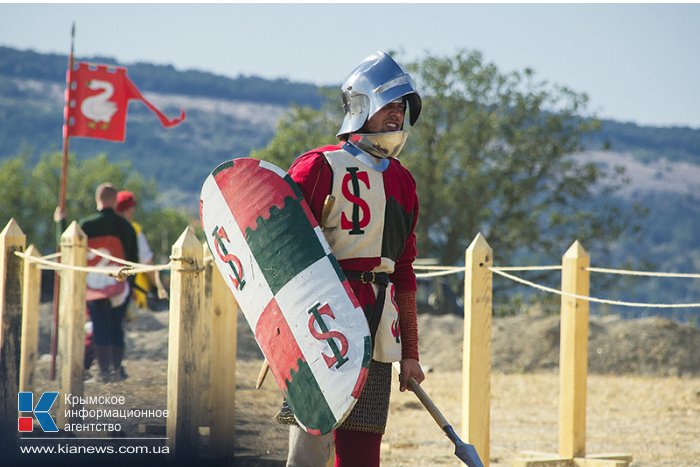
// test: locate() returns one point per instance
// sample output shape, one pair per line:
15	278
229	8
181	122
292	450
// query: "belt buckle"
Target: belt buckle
371	281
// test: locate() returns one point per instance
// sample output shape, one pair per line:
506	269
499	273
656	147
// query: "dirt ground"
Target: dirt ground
643	392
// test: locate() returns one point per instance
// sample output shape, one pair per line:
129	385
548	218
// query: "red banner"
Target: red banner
97	97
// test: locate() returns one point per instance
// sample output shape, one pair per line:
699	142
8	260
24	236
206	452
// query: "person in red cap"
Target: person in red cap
107	298
126	207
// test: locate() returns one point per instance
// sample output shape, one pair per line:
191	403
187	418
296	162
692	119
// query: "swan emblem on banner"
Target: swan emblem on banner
98	107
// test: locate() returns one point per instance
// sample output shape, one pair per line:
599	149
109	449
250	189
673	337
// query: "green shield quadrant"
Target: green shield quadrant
280	244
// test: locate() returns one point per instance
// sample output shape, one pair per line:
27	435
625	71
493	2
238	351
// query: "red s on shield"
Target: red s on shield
97	97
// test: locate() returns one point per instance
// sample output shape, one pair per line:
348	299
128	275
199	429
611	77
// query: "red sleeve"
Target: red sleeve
403	276
312	173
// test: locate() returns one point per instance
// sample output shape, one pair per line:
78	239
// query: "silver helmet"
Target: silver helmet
374	83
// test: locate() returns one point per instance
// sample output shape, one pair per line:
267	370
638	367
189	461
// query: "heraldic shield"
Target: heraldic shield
306	319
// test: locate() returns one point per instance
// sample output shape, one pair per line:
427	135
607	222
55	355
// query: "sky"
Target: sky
637	62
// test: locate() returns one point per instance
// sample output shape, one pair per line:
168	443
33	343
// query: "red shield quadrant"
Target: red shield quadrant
296	299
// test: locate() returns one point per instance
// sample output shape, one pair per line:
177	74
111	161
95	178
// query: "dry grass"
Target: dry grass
654	418
657	420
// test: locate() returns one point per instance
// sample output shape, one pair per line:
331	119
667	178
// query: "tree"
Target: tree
301	129
31	195
492	152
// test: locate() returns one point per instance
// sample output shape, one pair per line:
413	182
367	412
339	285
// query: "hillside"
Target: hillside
27	64
228	117
225	117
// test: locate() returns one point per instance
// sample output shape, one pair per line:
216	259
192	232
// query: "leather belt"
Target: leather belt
382	281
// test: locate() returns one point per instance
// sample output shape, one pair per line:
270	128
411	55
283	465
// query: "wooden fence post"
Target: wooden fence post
224	314
31	296
476	360
12	239
204	343
573	373
573	360
71	310
183	403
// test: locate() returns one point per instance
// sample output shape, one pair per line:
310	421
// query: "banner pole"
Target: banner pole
66	138
62	204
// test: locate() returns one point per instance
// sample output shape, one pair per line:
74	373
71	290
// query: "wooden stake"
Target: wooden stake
71	335
573	361
11	239
31	296
204	340
183	351
573	373
476	360
224	314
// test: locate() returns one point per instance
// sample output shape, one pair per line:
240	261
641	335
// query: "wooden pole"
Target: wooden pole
204	340
573	372
183	352
62	199
573	361
31	296
476	360
12	239
224	314
66	123
71	347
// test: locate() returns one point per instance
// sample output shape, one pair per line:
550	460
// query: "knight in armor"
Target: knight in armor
370	229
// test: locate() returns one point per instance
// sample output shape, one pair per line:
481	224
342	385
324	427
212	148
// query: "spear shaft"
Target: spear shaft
62	203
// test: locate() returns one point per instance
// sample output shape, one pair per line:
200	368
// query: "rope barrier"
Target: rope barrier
138	267
131	268
188	260
52	255
438	273
438	268
644	273
47	257
500	272
529	268
60	266
447	270
118	272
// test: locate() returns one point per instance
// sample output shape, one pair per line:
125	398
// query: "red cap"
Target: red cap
125	200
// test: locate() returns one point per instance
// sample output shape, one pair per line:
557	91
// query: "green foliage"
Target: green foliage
491	153
301	129
30	195
162	227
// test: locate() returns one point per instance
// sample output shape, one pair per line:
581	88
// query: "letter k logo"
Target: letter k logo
25	403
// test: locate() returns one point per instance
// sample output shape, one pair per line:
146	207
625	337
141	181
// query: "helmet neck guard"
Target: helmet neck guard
381	145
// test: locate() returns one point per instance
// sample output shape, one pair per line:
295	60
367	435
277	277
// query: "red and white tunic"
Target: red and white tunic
370	228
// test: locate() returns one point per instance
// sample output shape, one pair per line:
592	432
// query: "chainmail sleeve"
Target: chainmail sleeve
408	323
